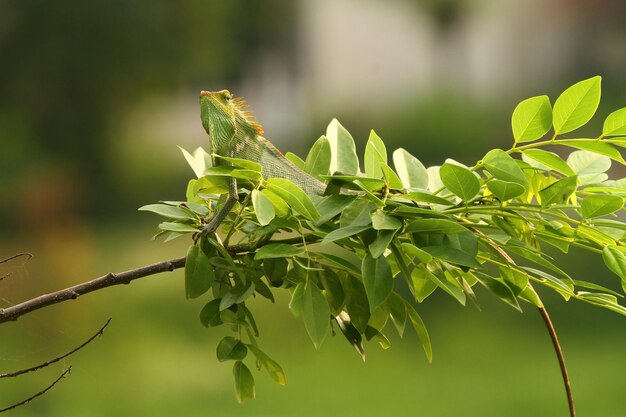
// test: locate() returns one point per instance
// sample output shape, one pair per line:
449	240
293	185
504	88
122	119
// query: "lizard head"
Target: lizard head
223	116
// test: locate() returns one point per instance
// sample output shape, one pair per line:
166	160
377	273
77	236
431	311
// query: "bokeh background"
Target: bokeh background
94	98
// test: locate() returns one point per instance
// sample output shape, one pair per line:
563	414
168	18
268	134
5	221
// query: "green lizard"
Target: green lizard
234	133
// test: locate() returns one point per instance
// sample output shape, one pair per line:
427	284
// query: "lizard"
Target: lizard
235	133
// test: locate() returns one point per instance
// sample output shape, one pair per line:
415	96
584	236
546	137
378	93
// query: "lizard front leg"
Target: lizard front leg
221	214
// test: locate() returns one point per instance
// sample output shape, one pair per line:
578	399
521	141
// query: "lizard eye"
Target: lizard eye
228	97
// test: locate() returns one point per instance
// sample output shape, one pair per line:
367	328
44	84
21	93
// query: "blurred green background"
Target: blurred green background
94	98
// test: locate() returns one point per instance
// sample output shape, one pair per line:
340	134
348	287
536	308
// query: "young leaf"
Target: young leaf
277	250
558	192
420	329
550	160
576	105
615	123
343	151
263	208
316	313
230	348
503	167
596	147
459	180
375	154
168	211
615	260
600	205
294	196
244	382
505	190
295	159
532	118
271	366
199	273
410	170
318	160
199	161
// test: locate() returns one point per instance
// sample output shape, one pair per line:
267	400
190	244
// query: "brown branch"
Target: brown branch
40	393
549	326
72	293
58	358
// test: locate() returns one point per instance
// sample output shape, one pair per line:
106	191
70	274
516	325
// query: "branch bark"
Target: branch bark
72	293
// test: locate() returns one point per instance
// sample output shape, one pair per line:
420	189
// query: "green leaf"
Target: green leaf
281	208
501	290
452	255
343	150
295	159
277	250
318	160
334	291
392	180
356	302
263	208
381	243
505	190
178	227
165	210
615	260
242	163
550	160
383	221
434	225
615	123
559	191
600	205
420	197
576	105
244	382
452	287
332	205
423	283
377	279
410	170
343	233
294	196
272	367
596	147
199	161
420	329
459	180
210	314
199	273
297	300
316	313
532	118
231	349
586	162
358	213
503	167
397	311
375	154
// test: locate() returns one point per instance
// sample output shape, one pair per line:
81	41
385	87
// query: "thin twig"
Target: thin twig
561	358
58	358
72	293
549	327
18	255
40	393
29	255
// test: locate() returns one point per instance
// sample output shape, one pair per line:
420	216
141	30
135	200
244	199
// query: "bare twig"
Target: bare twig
549	326
58	358
40	393
72	293
18	255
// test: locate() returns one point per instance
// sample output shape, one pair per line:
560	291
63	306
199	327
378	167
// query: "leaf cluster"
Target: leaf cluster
384	239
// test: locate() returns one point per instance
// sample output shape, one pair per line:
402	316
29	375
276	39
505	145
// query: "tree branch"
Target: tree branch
58	358
72	293
40	393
